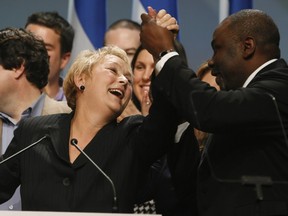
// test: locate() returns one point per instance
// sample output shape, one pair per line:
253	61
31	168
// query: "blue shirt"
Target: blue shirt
60	95
9	125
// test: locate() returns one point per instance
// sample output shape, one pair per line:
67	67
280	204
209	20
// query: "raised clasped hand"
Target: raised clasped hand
154	37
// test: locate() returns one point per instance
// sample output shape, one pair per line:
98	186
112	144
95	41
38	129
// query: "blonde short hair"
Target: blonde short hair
84	64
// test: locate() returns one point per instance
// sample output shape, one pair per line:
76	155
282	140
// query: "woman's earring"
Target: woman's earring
82	88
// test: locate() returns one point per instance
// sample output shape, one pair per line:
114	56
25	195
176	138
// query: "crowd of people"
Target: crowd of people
132	129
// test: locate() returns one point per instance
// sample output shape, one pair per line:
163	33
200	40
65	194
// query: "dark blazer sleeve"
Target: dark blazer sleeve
9	171
155	135
219	111
183	161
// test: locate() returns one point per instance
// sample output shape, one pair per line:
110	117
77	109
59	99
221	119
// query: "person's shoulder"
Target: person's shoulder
35	126
130	123
281	66
276	72
46	120
52	106
131	120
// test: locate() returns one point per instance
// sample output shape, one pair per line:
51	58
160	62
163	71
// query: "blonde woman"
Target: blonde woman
55	176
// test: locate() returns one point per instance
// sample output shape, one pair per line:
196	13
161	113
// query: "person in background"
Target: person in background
58	37
55	175
204	73
124	33
243	169
143	66
169	195
157	194
24	67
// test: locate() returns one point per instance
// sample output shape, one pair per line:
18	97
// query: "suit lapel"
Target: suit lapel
101	148
59	134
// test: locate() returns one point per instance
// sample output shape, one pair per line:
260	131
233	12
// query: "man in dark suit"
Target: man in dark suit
24	69
244	167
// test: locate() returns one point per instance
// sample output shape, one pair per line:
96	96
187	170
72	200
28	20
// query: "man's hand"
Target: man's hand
155	38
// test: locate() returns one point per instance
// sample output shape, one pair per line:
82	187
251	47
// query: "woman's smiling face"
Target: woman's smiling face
144	66
110	85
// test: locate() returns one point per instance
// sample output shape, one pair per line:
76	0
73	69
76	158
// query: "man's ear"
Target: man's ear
249	47
19	71
65	59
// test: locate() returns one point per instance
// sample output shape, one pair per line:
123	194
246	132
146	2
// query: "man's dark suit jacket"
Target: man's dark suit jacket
49	182
248	138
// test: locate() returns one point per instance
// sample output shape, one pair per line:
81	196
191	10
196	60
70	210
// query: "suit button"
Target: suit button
66	181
